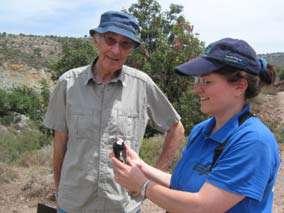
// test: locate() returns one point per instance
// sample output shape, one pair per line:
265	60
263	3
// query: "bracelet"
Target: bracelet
143	189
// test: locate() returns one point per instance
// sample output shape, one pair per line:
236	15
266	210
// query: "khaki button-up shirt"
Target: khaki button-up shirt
94	116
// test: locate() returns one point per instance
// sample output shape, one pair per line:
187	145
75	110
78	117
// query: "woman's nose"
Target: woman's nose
197	89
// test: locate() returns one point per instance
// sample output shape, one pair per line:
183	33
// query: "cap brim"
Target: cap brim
118	31
198	66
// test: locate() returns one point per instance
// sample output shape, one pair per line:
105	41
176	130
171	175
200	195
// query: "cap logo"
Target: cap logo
230	59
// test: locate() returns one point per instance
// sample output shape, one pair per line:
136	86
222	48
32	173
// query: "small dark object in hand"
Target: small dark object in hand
119	150
44	208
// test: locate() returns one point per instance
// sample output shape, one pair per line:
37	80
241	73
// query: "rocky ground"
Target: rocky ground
22	188
279	189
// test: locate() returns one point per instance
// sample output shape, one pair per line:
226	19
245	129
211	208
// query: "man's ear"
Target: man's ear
94	39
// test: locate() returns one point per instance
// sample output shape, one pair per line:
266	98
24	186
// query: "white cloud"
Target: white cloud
260	22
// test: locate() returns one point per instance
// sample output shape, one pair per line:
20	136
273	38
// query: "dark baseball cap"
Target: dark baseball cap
225	52
120	23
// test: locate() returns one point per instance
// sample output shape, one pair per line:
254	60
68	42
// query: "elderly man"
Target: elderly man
95	105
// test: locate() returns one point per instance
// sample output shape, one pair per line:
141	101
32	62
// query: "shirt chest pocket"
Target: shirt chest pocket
82	124
126	122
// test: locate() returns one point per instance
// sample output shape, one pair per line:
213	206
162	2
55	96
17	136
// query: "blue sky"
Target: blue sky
259	22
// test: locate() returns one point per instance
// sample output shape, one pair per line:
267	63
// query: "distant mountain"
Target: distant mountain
276	59
24	59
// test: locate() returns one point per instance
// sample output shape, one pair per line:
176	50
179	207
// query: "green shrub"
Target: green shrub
25	101
7	119
188	107
280	134
152	147
75	53
280	72
44	94
14	145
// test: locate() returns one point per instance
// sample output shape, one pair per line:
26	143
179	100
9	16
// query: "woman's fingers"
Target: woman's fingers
128	175
117	163
119	168
130	152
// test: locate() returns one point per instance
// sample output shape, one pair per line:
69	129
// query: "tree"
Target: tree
168	40
75	53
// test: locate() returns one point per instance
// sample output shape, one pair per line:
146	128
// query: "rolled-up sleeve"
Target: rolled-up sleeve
55	117
161	112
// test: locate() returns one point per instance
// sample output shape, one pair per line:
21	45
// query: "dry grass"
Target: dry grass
42	157
7	174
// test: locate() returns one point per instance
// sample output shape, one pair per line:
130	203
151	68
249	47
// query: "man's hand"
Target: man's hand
59	148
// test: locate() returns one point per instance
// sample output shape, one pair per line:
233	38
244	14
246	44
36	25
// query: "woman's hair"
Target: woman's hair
255	82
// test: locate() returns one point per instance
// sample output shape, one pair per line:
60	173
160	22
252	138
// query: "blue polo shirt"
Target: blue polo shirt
247	166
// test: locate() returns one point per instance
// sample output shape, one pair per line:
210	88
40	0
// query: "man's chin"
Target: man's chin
112	68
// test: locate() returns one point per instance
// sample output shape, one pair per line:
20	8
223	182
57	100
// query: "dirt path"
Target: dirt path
280	99
279	188
278	206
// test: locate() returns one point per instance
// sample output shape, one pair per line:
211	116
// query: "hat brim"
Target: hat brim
117	30
198	66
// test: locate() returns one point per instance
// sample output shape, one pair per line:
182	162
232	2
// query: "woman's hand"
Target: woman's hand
129	175
132	157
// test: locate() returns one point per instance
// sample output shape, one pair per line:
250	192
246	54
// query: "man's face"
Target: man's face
113	50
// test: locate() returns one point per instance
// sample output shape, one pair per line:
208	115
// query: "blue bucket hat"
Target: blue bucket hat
120	23
225	52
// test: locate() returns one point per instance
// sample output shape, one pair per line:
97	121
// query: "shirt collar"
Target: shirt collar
90	77
222	134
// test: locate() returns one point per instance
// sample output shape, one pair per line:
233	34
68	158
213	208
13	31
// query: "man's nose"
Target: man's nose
116	48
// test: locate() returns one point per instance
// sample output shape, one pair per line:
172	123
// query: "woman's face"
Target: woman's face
217	95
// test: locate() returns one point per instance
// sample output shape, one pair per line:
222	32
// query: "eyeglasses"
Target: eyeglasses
201	82
110	41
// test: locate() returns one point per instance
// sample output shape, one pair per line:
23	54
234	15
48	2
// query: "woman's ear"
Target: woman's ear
241	86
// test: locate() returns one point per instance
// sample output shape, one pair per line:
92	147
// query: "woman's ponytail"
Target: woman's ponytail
267	72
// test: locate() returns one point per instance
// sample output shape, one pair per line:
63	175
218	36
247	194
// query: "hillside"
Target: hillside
24	59
274	58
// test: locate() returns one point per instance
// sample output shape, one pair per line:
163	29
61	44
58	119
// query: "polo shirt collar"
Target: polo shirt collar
222	134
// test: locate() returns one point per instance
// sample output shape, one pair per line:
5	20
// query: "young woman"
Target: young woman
231	159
